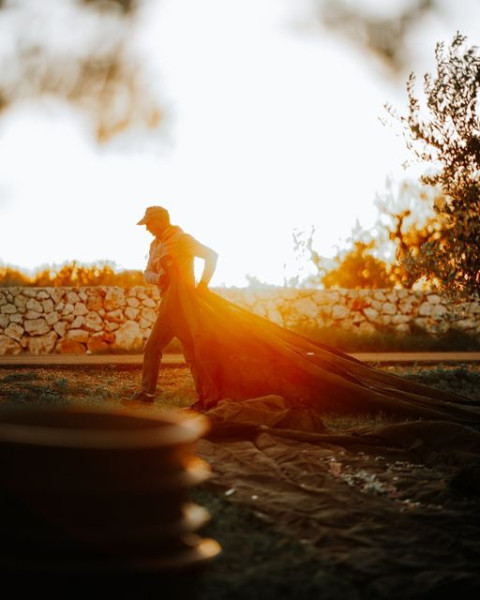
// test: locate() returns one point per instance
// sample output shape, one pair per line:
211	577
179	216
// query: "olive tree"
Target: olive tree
442	129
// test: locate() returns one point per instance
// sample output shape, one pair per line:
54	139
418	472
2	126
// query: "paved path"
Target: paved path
177	359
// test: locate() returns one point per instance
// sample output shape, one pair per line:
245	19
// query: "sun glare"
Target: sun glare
271	131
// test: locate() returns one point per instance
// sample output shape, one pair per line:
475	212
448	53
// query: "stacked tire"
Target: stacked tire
99	498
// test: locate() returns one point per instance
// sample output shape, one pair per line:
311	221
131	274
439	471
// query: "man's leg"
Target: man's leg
160	336
188	349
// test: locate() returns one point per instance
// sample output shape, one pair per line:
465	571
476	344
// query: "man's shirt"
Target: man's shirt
182	247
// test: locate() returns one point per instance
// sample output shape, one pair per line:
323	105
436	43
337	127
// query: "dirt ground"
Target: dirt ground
315	518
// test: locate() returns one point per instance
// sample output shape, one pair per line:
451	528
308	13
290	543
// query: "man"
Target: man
170	244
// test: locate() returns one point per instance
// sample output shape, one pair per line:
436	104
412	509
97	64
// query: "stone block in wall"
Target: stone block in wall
14	331
379	295
307	308
8	346
77	322
35	305
148	314
97	345
68	309
149	303
72	297
133	302
93	321
340	311
111	326
392	297
56	294
16	318
407	306
36	326
389	308
42	295
358	304
48	305
370	313
131	313
427	309
357	317
29	292
80	309
94	303
4	321
138	291
114	299
274	315
20	302
401	293
144	324
8	309
52	317
128	338
77	335
399	319
60	328
32	314
65	346
43	344
116	316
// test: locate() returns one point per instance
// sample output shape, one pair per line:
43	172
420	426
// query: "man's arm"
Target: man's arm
210	257
150	274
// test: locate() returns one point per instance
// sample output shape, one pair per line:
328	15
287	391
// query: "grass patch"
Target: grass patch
92	386
342	422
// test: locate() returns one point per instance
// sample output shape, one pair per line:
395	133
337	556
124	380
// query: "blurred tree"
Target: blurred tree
380	257
407	221
443	132
77	275
358	268
383	30
72	274
80	51
10	276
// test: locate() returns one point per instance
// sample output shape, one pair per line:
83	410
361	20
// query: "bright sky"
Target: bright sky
271	130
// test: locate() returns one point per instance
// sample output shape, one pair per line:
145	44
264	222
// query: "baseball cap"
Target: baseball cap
154	212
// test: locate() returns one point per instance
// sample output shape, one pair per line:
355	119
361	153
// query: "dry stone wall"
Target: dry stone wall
97	320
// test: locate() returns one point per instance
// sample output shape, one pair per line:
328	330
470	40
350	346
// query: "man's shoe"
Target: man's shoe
142	396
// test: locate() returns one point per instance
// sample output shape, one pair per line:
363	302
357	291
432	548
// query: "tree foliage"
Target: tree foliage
377	258
443	131
358	268
83	53
71	275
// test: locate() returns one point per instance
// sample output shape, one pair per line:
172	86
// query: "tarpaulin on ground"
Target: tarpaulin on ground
396	506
